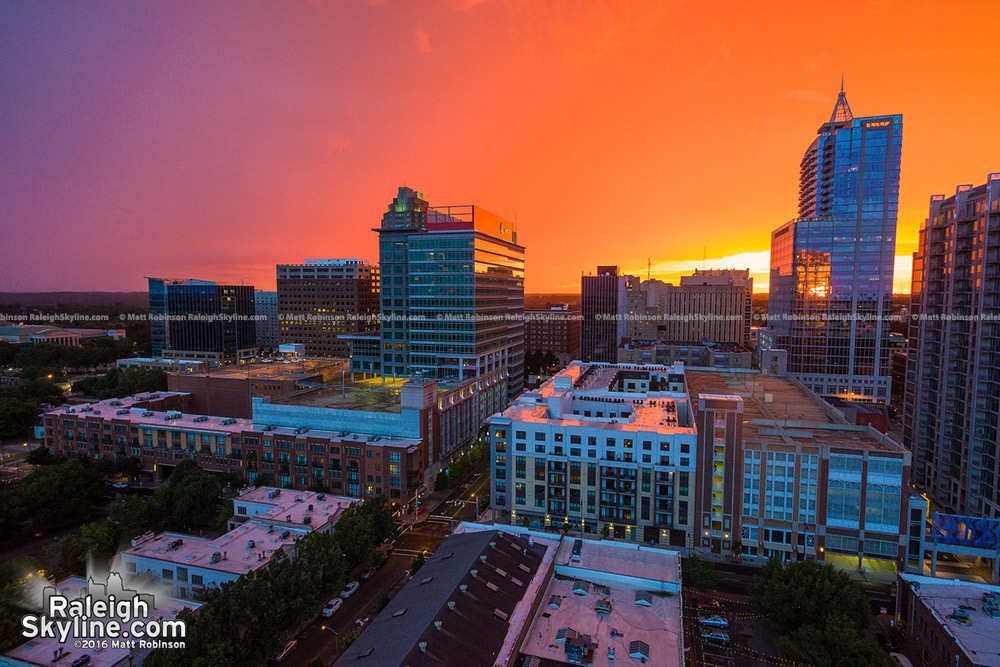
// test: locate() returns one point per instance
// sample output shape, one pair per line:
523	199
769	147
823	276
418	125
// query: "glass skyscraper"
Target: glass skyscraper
452	292
831	267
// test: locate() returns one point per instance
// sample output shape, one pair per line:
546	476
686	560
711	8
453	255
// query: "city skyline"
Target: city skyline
214	140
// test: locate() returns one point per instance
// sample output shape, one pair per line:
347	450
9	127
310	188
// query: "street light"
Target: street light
336	638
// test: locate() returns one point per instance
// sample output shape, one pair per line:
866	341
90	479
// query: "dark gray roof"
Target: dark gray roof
473	632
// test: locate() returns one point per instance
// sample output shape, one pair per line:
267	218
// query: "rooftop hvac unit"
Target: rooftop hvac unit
216	557
251	544
201	418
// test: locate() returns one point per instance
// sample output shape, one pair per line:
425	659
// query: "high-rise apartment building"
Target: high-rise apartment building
201	319
323	299
604	301
952	393
831	267
452	293
711	305
266	305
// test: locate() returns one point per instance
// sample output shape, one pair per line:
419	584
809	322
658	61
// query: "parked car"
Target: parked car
289	647
349	589
886	643
332	606
715	622
39	533
715	637
711	605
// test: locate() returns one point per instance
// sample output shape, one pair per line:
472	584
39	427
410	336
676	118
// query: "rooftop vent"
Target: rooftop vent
565	634
581	587
555	601
638	650
463	588
474	573
437	625
451	605
644	598
422	646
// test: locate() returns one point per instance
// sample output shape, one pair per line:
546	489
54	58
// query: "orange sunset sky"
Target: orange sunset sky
214	140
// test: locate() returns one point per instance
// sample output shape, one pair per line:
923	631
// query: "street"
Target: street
424	536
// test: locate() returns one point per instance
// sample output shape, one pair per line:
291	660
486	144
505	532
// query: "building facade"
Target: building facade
953	362
202	320
555	329
604	303
599	448
266	305
322	299
712	305
452	292
690	354
831	267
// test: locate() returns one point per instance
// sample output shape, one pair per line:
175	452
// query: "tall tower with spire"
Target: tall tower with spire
831	267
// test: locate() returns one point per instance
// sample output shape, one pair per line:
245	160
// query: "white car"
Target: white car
715	622
349	589
332	606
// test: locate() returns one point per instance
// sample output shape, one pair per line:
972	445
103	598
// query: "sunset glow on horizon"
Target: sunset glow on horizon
215	140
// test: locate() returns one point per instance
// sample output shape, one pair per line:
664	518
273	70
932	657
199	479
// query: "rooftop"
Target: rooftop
287	506
277	369
978	634
125	409
779	410
624	397
476	586
376	394
40	651
245	548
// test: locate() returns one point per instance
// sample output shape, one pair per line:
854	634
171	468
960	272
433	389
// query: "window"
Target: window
197	580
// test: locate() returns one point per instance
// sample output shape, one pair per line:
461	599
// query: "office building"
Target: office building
831	267
949	623
162	364
266	520
202	320
452	293
323	299
604	302
512	597
953	361
664	353
266	306
711	305
555	329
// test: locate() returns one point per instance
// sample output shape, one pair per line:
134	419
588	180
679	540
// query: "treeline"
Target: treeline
43	359
21	404
113	314
51	496
117	383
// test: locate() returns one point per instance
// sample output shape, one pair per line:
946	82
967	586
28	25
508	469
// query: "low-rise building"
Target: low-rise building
188	566
29	334
949	623
162	364
555	329
510	596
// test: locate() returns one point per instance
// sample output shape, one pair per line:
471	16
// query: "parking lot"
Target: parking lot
750	643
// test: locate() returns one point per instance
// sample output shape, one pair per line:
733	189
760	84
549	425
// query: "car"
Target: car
39	533
711	605
715	637
349	589
715	622
611	653
289	647
120	485
332	606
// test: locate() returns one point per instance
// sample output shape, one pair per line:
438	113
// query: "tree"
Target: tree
362	527
129	516
61	494
117	383
195	499
441	481
819	614
42	456
418	563
699	573
13	582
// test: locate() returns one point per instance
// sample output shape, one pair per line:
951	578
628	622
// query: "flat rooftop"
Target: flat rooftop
277	369
596	395
980	638
778	410
238	556
40	651
123	409
371	395
645	620
288	506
